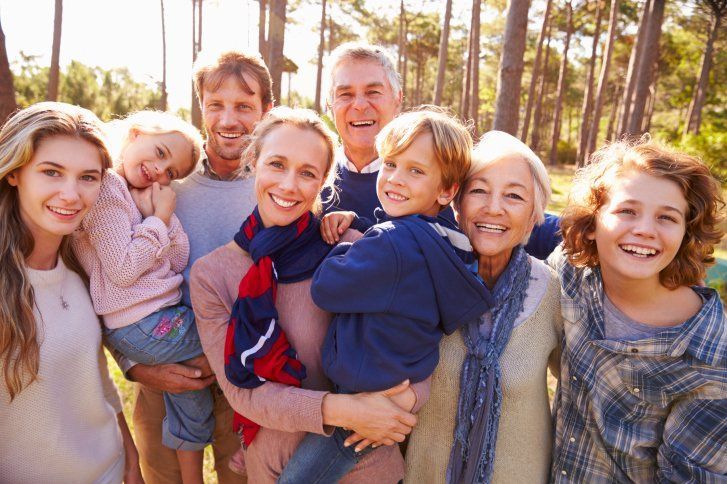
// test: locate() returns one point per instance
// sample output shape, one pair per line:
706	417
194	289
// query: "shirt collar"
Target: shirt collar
207	171
344	162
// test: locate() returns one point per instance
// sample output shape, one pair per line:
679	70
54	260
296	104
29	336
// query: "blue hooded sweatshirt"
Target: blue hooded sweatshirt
395	292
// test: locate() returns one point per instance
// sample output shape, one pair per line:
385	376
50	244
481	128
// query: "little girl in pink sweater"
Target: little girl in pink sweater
134	250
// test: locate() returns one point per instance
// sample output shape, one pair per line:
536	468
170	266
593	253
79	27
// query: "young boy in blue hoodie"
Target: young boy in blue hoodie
400	287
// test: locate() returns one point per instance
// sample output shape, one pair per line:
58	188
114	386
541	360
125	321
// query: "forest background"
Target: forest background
564	76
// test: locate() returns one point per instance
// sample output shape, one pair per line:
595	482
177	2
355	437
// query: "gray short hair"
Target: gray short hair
359	51
496	145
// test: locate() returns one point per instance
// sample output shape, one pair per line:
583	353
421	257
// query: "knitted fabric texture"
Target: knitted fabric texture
478	411
256	349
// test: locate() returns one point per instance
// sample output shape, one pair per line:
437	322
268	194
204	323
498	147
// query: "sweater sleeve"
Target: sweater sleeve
271	405
126	251
359	277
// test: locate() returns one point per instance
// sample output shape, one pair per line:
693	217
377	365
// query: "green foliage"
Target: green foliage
566	153
108	93
711	146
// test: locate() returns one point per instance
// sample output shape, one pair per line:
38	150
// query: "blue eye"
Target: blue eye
51	172
160	152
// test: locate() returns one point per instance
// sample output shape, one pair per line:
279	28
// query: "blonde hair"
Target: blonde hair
210	71
362	52
154	123
300	118
19	139
452	141
700	189
497	145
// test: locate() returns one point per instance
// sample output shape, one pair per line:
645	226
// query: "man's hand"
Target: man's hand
334	224
173	377
142	199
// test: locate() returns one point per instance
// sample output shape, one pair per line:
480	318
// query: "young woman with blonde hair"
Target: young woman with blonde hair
60	413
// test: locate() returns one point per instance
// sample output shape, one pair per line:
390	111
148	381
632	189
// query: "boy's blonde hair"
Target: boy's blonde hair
152	123
452	141
300	118
700	189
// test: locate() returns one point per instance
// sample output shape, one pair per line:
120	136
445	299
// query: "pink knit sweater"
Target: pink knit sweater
284	412
134	264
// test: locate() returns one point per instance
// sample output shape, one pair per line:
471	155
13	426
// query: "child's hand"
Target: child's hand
142	199
334	224
164	200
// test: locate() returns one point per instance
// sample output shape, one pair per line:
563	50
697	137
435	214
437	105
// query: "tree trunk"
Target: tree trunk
537	115
588	93
418	78
402	48
615	106
7	90
196	113
54	74
321	46
475	82
536	73
646	65
650	105
276	41
602	81
631	74
163	101
509	81
443	45
262	44
466	78
694	114
561	86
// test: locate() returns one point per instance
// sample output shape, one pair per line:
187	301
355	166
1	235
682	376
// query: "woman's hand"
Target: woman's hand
132	471
405	400
371	415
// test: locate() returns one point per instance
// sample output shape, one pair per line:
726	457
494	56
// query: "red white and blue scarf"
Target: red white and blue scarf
256	348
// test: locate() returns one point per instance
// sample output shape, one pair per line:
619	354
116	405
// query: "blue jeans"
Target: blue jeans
170	336
320	459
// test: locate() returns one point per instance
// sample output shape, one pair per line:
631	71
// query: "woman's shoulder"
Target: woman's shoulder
226	260
542	300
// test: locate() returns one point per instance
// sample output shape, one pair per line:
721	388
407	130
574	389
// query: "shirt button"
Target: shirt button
575	379
564	473
636	390
572	439
634	350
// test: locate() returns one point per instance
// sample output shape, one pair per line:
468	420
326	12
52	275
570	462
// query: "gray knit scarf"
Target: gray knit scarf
480	397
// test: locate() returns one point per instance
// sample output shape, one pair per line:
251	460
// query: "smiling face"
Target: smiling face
410	182
363	102
496	208
640	227
57	187
289	174
230	114
149	158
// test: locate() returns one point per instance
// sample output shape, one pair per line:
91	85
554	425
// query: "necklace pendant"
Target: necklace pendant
64	304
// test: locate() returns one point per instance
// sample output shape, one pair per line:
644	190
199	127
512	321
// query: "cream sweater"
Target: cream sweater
63	426
524	438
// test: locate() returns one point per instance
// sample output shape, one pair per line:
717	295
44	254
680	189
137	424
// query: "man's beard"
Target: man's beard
230	154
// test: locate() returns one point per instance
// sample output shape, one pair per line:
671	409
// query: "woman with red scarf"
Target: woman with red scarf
260	329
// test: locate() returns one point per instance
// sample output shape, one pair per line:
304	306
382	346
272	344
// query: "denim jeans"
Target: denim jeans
320	459
170	336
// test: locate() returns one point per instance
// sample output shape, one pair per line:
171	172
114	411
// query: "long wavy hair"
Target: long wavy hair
19	139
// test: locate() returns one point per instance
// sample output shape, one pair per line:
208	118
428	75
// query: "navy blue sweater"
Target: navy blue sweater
395	292
356	192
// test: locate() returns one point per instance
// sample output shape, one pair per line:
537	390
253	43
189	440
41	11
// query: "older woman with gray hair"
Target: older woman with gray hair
488	416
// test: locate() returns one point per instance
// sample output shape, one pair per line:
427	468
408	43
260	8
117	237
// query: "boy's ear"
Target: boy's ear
446	196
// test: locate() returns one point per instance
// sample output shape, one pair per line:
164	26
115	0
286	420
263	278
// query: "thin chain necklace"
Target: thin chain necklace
64	303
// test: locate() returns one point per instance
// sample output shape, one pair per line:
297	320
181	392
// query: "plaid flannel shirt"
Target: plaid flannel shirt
652	410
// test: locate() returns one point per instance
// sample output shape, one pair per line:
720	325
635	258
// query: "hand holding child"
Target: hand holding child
334	224
164	200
